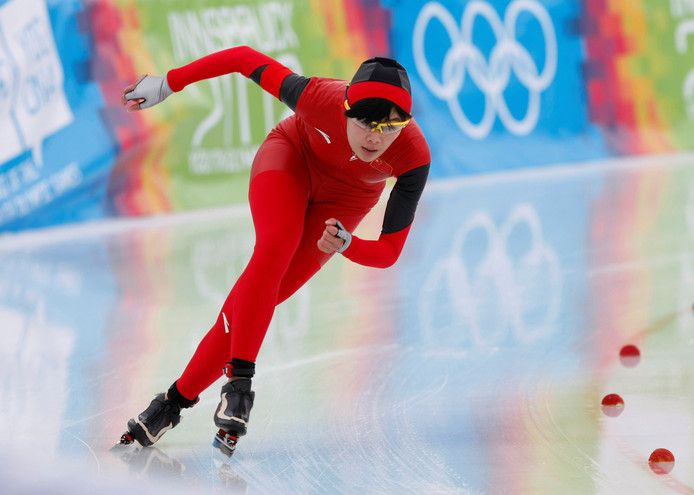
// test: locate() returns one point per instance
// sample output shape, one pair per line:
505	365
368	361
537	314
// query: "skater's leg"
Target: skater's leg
248	308
250	305
233	413
278	205
212	353
248	329
283	199
205	367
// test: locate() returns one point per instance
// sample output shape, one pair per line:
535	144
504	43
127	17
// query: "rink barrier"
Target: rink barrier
497	84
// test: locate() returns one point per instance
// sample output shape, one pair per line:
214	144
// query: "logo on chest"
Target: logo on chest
325	136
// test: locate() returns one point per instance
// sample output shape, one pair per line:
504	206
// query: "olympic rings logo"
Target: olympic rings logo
513	285
491	76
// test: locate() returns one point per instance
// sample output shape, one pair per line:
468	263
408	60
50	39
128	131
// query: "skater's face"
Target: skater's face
369	142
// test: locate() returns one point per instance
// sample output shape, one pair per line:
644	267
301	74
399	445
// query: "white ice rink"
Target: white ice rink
476	365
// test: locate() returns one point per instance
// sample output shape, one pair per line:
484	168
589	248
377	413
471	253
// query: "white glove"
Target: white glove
344	235
154	89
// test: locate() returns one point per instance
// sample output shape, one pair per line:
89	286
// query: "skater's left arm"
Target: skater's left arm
265	71
398	219
268	73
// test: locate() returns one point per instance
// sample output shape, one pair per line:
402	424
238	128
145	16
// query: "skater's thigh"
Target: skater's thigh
278	194
277	152
308	259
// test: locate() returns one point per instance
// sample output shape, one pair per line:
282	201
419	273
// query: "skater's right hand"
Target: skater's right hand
335	238
145	93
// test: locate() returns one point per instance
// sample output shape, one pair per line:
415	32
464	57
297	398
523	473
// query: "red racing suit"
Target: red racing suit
304	173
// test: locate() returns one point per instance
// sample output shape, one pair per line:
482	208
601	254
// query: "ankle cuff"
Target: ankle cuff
174	395
239	368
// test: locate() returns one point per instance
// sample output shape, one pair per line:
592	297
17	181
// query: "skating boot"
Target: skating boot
234	409
163	414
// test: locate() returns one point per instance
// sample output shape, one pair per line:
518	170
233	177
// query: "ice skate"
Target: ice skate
162	415
232	414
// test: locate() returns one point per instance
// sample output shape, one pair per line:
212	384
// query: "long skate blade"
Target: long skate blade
225	443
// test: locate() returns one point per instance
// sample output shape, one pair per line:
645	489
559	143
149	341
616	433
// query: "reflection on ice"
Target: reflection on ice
494	339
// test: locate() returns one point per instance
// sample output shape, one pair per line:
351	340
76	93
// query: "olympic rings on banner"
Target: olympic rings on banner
492	75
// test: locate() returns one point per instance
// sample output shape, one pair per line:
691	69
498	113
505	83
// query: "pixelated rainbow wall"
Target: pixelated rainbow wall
507	84
640	73
498	85
68	151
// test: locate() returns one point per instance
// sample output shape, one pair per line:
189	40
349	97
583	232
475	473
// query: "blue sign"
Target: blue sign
497	84
55	149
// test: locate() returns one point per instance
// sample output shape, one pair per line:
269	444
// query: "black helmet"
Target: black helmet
380	77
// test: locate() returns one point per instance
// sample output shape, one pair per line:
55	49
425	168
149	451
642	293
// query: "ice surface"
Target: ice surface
476	365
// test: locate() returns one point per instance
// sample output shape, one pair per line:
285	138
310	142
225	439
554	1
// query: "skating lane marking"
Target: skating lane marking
327	357
82	420
91	451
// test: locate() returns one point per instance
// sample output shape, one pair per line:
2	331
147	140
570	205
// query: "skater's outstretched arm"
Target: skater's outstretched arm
398	219
267	72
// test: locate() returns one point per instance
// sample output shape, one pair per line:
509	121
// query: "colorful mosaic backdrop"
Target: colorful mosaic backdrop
640	73
68	151
498	85
505	84
198	149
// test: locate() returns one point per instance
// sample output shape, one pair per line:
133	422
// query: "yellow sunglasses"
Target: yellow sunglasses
389	127
382	127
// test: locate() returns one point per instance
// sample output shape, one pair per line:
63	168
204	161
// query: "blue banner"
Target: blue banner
54	141
496	84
